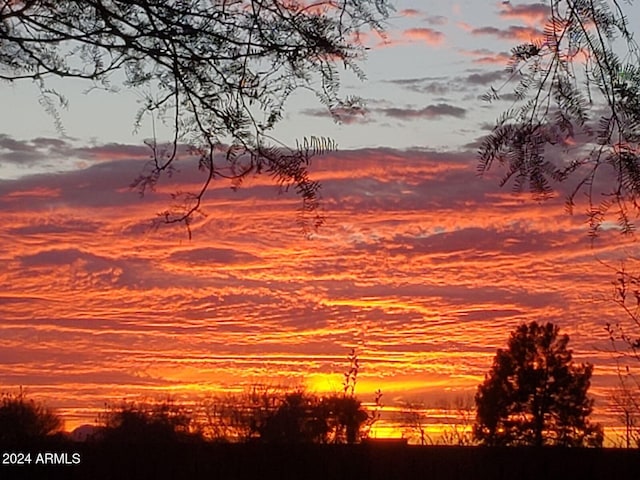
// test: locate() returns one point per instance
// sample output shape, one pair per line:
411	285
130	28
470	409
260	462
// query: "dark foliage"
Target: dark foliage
218	71
157	422
576	114
535	395
23	420
346	418
299	418
275	415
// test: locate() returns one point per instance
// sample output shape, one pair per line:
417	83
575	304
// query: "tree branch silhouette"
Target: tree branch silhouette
221	70
576	113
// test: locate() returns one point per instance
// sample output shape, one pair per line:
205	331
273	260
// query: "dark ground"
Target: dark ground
316	462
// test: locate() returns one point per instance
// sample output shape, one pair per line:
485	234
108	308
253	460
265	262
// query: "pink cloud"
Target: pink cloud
410	12
426	35
487	57
464	26
531	14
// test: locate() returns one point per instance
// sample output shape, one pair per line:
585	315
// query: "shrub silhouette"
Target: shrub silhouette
299	418
345	416
162	422
535	395
278	415
26	420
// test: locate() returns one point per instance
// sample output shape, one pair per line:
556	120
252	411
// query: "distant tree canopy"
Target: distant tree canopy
219	71
535	395
575	111
23	420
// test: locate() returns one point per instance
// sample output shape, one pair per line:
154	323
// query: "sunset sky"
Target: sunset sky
422	266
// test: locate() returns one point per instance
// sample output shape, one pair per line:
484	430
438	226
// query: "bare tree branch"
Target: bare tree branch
223	68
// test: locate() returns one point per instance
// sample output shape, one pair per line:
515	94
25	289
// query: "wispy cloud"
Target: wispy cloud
429	19
513	32
38	150
484	78
426	35
410	12
428	112
347	116
487	57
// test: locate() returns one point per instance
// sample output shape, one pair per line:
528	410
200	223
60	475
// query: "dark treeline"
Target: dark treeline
261	414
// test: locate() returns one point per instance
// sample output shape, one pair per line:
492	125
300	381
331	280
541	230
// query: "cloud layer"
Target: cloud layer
422	266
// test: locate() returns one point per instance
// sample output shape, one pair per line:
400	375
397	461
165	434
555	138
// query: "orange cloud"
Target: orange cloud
35	192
